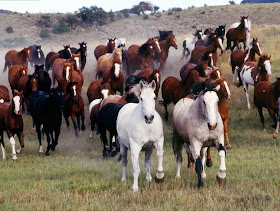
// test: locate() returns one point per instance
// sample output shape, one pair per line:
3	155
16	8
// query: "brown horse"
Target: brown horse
151	75
164	47
15	73
14	57
4	94
74	106
97	89
200	51
115	77
11	122
237	35
238	57
173	89
106	62
52	56
102	49
62	75
266	95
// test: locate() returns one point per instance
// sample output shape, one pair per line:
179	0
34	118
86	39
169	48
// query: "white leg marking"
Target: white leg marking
13	144
3	152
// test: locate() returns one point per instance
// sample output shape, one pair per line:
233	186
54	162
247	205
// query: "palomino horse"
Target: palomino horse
188	43
37	56
164	47
52	56
252	72
198	124
73	106
14	57
199	51
98	89
266	94
4	94
83	51
107	61
133	117
115	77
101	49
11	122
238	34
238	56
15	73
46	110
151	75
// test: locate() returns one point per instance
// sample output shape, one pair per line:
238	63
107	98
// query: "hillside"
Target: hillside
258	1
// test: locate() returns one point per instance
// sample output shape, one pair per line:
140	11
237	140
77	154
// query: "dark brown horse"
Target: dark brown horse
11	122
115	77
174	89
238	56
52	56
4	94
74	106
102	49
237	35
15	73
14	57
207	40
151	75
98	89
62	75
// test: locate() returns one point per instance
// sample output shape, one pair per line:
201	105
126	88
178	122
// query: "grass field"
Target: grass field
76	177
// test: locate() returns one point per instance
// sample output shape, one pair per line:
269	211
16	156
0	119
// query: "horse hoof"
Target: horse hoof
200	185
14	157
41	153
53	148
178	177
228	147
221	181
209	163
83	128
159	178
90	137
19	151
80	132
47	153
114	153
275	135
105	154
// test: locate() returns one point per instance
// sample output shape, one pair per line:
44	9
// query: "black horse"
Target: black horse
220	31
44	80
133	80
164	34
46	110
52	56
83	51
37	55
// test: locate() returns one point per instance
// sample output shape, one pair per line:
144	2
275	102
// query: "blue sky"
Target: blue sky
53	6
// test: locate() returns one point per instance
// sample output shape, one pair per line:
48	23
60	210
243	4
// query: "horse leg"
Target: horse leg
245	86
83	121
273	116
221	175
38	130
159	178
2	145
147	162
79	123
66	121
49	141
135	151
203	159
13	144
209	162
177	145
103	137
196	147
73	117
183	54
21	142
225	123
113	144
165	104
261	116
123	152
92	126
228	44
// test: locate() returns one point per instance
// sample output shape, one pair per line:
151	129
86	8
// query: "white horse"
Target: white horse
252	72
248	31
139	127
198	124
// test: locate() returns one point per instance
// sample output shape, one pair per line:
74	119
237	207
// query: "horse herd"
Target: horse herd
200	115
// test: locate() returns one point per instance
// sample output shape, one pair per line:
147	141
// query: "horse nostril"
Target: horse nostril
152	117
146	118
212	127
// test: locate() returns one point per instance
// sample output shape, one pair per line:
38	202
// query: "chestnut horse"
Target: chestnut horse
173	89
62	76
4	94
15	73
237	35
102	49
52	56
151	75
74	106
238	56
115	78
11	122
14	57
83	51
97	89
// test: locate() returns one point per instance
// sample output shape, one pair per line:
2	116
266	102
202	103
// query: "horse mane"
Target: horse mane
262	59
144	48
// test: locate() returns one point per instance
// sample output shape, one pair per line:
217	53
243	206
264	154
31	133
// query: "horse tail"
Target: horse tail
5	66
228	44
239	77
184	44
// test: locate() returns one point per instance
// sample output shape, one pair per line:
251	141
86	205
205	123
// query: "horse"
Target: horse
97	89
74	106
164	47
115	77
133	80
101	49
207	39
52	56
107	61
188	44
46	110
11	122
15	73
275	134
37	56
140	127
27	84
199	51
43	77
266	94
248	31
14	57
238	56
198	124
252	72
151	75
220	32
163	34
83	51
4	94
173	89
238	34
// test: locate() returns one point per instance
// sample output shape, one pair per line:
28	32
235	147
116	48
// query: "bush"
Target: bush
93	15
9	29
170	13
194	26
111	16
126	15
45	33
178	17
203	12
72	21
45	21
145	17
61	27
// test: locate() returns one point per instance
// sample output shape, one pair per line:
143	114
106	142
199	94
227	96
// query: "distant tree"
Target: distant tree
61	27
93	15
231	3
72	21
156	8
111	16
142	7
9	29
44	21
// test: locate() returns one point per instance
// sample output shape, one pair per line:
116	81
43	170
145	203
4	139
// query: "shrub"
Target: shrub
72	21
203	12
145	17
111	16
93	15
45	33
126	15
61	27
170	13
9	29
178	17
45	21
194	26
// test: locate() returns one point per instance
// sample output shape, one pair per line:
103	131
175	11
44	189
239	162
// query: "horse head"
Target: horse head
244	22
147	49
198	34
83	48
76	61
217	42
105	89
172	41
148	100
256	46
67	71
71	89
16	101
111	44
27	53
22	71
156	76
38	51
66	52
224	87
264	64
117	55
33	82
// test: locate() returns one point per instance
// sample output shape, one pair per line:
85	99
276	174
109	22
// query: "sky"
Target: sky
65	6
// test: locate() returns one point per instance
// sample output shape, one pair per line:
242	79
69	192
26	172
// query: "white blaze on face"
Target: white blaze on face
39	55
117	70
23	72
16	100
219	74
77	62
67	73
211	56
246	23
227	89
157	77
220	43
70	52
258	44
159	50
74	90
267	66
211	100
1	101
105	93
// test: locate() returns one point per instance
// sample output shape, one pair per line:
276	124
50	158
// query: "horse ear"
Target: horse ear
217	88
269	57
64	46
154	85
141	84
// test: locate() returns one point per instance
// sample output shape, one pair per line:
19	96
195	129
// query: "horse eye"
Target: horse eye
155	98
141	99
204	102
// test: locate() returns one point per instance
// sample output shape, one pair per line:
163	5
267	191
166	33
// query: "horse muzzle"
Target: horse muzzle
212	126
17	112
150	119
